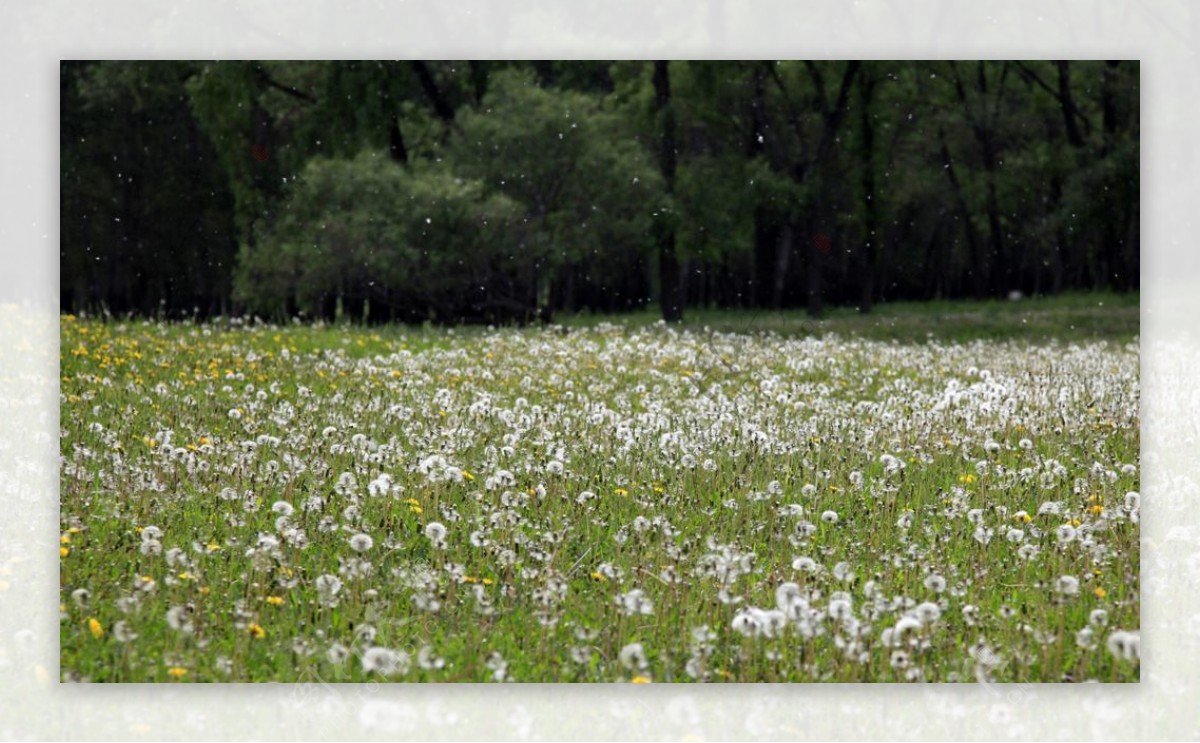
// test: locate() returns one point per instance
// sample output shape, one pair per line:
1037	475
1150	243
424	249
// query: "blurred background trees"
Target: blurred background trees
500	191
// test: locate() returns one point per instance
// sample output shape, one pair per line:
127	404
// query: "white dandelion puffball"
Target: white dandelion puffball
361	542
1067	585
1125	645
633	657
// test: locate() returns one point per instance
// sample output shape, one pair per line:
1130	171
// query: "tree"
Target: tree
586	186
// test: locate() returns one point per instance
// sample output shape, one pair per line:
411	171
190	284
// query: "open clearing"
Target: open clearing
611	502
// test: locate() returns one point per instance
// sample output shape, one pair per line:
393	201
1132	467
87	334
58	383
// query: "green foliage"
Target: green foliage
964	178
365	228
586	184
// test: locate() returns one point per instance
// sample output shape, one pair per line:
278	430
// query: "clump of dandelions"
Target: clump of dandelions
635	602
1125	645
385	661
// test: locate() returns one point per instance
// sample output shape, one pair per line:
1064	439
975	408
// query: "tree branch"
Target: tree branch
289	89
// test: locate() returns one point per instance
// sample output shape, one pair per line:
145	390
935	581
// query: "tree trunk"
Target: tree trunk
1115	274
668	262
978	270
782	261
870	209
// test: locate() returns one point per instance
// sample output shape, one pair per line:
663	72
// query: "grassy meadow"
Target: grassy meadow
934	493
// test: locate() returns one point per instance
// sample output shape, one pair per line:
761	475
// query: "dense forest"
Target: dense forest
504	191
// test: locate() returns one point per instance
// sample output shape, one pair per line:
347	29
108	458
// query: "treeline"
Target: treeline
499	191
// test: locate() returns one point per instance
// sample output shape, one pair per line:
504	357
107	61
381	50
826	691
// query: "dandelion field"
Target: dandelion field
247	502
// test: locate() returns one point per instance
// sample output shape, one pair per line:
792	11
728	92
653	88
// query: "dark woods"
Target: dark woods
497	192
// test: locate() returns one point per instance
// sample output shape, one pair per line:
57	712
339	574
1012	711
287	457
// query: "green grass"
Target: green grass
1065	318
695	446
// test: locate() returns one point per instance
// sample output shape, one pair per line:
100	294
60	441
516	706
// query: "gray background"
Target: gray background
33	38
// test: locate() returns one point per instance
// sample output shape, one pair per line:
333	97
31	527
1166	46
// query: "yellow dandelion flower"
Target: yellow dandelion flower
176	672
597	575
966	479
488	581
415	509
63	551
205	590
621	491
64	539
95	627
467	475
274	600
1097	509
640	680
256	631
470	579
1099	592
212	547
